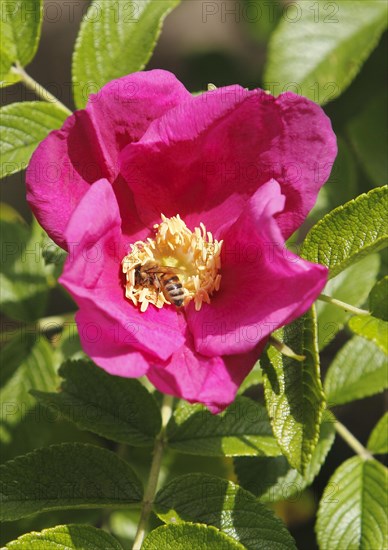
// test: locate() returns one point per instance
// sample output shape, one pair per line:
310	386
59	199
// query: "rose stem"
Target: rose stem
38	89
149	495
343	305
353	443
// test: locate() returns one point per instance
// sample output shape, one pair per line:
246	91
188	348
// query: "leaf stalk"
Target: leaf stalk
353	443
285	350
149	495
343	305
38	89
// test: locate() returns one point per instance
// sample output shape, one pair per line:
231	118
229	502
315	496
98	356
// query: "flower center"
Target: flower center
175	267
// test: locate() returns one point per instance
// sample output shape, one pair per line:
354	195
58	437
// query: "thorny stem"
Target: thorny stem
353	443
343	305
149	495
39	90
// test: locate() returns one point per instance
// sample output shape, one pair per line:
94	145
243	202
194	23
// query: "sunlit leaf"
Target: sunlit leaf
371	328
21	22
293	391
116	38
189	535
318	49
214	501
69	537
22	127
349	232
358	370
354	515
378	440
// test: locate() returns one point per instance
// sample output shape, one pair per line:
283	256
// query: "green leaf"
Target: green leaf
378	440
26	363
272	478
242	430
200	498
21	22
349	232
358	371
68	537
22	127
318	49
352	286
371	328
24	278
115	39
353	509
378	299
293	391
120	409
7	77
368	135
189	535
71	475
11	530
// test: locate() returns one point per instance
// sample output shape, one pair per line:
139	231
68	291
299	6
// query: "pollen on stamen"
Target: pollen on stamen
192	258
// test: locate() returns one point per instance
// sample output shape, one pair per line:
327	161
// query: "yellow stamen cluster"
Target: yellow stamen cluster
193	256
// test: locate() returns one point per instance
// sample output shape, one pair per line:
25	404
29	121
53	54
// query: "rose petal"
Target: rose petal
124	108
264	286
92	275
305	150
54	185
213	381
86	148
109	345
206	157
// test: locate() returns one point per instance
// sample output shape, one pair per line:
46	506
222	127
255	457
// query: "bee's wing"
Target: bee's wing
164	269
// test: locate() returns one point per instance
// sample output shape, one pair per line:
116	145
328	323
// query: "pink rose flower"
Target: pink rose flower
161	198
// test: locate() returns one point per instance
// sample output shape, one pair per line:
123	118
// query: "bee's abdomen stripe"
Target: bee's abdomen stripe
176	292
172	287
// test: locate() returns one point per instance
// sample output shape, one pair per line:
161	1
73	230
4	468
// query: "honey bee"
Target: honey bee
163	278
